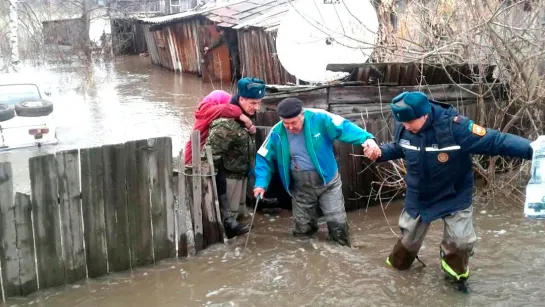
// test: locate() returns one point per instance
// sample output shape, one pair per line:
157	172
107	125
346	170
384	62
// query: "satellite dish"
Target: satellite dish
316	33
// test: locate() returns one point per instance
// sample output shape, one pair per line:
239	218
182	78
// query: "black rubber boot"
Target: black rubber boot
232	227
400	257
339	233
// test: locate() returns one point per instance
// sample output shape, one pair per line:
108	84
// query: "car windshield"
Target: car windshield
14	93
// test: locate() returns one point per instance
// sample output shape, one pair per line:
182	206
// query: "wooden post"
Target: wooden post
70	205
211	233
28	279
45	211
138	203
131	187
92	195
115	207
16	240
197	194
186	239
162	197
215	193
8	236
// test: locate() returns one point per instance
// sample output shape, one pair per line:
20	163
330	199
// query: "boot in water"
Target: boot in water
233	228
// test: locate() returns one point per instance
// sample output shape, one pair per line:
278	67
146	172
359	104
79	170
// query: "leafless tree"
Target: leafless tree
506	34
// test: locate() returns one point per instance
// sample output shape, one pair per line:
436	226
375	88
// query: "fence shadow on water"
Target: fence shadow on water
100	210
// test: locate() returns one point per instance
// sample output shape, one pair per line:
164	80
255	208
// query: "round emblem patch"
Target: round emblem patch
442	157
478	130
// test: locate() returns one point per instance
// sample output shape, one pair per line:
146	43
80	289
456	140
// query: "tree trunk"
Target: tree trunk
86	39
13	61
385	43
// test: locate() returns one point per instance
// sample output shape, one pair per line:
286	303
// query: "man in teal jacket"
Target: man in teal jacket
302	147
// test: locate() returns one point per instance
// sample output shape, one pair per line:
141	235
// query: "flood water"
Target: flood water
129	99
136	100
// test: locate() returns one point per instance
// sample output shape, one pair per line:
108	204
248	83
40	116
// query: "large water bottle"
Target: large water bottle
534	206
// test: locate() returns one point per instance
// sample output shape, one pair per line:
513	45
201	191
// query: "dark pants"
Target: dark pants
309	192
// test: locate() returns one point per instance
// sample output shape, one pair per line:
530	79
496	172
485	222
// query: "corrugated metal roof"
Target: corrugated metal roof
271	19
230	14
187	14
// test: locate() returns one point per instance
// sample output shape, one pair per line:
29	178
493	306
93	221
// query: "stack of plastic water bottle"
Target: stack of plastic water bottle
534	206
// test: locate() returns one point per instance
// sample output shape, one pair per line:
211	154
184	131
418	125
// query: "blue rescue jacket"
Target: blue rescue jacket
321	128
439	178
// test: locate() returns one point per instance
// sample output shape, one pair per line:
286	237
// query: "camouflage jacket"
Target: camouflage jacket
233	148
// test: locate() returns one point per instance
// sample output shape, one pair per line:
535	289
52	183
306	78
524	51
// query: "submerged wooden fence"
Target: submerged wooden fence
99	210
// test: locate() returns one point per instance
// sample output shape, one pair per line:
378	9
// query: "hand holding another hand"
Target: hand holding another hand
371	149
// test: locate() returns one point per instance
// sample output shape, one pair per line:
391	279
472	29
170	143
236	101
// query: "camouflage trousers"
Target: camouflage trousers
309	192
455	249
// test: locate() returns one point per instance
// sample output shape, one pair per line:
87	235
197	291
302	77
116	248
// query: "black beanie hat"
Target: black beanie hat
289	107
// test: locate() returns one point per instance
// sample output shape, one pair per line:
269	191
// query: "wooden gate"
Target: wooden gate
216	65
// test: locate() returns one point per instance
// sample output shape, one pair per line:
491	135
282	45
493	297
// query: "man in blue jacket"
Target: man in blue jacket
301	144
437	145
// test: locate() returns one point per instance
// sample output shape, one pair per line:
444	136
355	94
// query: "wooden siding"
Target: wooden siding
150	42
177	46
257	50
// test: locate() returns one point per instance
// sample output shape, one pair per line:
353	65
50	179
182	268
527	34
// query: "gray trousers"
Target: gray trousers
236	193
309	192
455	249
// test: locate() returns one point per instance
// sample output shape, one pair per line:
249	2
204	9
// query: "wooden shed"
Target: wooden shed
173	41
179	41
365	101
257	45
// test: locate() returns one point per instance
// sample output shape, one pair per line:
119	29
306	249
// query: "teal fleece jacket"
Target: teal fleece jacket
321	128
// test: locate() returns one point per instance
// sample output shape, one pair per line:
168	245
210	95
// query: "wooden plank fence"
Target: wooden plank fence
105	209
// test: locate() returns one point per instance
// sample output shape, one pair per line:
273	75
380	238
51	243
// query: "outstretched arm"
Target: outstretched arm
344	130
218	42
390	151
475	139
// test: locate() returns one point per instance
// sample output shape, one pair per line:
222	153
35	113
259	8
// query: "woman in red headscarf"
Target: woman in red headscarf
215	105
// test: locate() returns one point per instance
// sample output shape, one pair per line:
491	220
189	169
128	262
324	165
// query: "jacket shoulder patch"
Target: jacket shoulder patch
458	119
478	130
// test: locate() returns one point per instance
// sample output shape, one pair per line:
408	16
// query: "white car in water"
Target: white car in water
26	115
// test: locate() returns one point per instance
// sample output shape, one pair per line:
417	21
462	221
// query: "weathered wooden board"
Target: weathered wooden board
67	166
138	204
415	73
162	197
385	94
186	239
349	166
28	280
8	233
197	189
266	118
211	231
92	194
45	208
115	207
16	239
216	207
375	109
372	109
311	98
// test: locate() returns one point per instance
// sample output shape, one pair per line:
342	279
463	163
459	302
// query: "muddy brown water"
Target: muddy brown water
136	100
